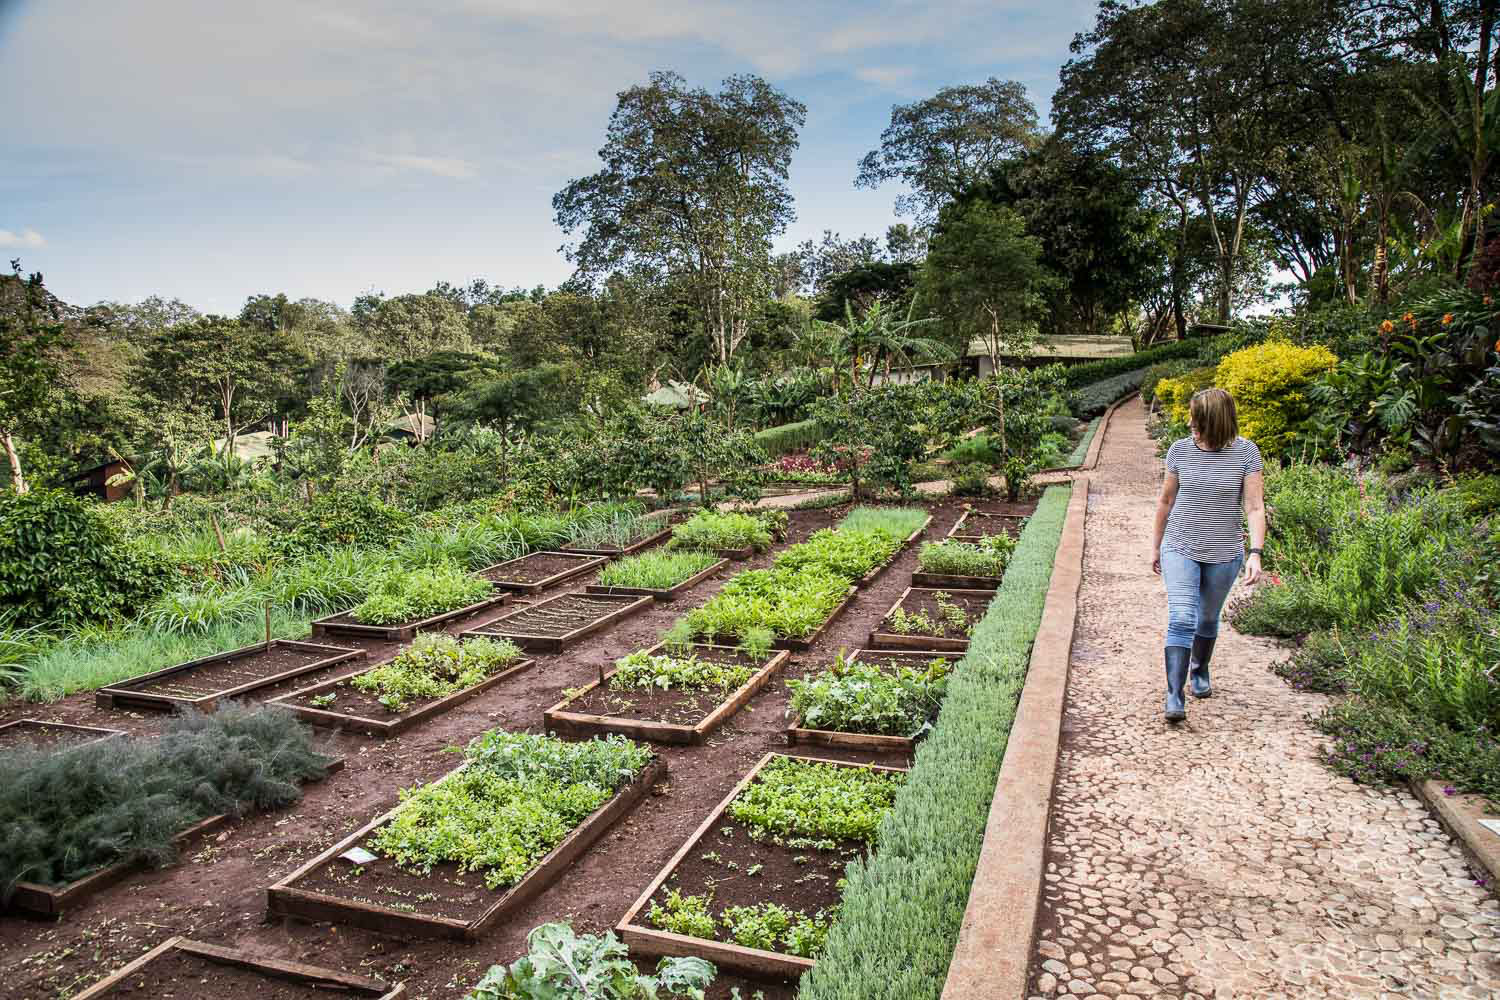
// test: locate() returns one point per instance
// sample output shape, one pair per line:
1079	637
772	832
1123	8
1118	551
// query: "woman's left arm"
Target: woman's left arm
1255	513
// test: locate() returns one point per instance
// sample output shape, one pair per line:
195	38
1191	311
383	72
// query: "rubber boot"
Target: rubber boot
1198	683
1177	671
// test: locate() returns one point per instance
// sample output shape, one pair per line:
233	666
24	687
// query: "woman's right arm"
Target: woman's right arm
1163	511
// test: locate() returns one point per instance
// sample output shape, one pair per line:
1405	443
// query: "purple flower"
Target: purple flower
1449	790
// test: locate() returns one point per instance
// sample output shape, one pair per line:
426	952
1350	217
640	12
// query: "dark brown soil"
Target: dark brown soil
719	865
222	675
180	976
558	616
217	892
45	736
679	707
447	892
983	524
925	602
536	567
352	701
725	983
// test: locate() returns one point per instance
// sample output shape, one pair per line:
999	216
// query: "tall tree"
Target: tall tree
32	337
694	188
941	145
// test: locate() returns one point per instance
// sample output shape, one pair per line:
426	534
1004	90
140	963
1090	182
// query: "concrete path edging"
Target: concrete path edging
1459	815
993	955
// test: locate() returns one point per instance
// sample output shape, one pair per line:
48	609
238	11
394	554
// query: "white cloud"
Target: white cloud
441	166
28	238
885	76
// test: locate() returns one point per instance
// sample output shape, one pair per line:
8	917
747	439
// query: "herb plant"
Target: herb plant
797	798
712	530
560	965
656	570
435	666
684	915
791	603
985	558
642	671
409	595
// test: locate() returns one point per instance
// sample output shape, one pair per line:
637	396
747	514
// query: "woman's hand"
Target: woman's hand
1156	563
1252	568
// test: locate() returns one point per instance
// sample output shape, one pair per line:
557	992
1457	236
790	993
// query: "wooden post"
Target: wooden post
268	624
218	532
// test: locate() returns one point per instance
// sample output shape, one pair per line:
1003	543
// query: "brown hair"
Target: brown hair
1211	414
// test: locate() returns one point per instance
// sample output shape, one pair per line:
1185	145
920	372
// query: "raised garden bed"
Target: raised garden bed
870	576
673	716
447	903
977	524
721	859
536	572
551	625
35	899
794	644
361	711
179	967
930	611
949	581
345	624
661	595
797	733
201	684
37	735
644	543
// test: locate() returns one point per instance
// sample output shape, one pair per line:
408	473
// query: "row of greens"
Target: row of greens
872	694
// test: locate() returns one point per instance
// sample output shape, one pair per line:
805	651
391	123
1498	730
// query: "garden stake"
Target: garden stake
218	532
268	624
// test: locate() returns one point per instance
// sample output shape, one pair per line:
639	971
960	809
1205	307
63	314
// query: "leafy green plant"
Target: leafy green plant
616	528
345	517
711	530
434	666
858	696
684	915
70	813
1376	742
790	603
951	619
972	479
641	670
792	797
656	570
410	595
950	557
560	965
517	797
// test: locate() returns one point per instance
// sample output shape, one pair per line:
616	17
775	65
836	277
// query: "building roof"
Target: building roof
249	447
678	395
1066	346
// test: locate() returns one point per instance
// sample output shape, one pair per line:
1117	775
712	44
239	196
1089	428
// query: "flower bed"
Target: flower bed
872	699
556	623
666	694
755	887
940	620
461	853
201	684
436	673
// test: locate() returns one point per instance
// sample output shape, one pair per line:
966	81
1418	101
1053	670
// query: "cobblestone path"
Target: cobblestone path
1220	859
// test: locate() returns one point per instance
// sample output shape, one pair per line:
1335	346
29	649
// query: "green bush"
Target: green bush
1376	741
1090	400
407	595
1166	369
783	440
1094	371
69	813
900	914
713	530
345	517
560	965
972	479
62	564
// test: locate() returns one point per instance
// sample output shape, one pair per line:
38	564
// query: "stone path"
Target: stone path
1220	859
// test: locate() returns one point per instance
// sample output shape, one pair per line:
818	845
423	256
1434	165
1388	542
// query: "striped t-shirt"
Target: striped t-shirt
1207	521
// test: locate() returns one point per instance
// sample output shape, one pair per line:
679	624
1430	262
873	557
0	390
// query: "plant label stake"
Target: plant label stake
268	624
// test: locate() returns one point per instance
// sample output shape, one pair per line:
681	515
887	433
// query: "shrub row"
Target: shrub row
1094	371
1093	399
788	438
901	912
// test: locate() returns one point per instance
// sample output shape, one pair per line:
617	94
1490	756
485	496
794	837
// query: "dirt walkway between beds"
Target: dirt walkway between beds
1220	858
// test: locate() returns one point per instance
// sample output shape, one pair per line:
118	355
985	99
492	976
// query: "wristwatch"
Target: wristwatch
1255	552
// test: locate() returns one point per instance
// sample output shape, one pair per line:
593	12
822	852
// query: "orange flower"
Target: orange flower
1409	318
1387	326
1487	300
1447	318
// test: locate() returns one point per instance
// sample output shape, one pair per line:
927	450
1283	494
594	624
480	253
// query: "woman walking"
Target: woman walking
1214	483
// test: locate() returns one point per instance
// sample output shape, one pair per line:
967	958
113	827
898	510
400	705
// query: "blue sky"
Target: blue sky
324	148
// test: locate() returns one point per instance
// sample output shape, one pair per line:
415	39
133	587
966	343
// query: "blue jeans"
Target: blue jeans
1195	595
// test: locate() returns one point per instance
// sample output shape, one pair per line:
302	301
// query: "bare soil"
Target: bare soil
222	675
45	736
681	707
925	602
188	977
352	701
216	893
537	567
558	616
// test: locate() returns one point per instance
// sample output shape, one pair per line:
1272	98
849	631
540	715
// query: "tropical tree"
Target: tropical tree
31	342
694	188
876	339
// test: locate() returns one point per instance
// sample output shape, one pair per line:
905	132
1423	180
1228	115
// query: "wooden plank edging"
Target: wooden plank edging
664	594
271	968
584	564
993	955
126	693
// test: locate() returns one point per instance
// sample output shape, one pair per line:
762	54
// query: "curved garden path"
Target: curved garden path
1221	859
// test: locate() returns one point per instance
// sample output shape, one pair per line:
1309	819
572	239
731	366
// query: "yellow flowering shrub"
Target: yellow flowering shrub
1269	383
1174	394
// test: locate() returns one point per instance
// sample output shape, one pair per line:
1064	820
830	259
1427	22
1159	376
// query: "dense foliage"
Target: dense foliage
561	965
400	596
714	530
957	558
867	695
792	798
656	570
668	672
434	666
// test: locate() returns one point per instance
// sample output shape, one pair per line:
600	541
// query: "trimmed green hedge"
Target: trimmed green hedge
787	438
1095	371
901	912
1096	397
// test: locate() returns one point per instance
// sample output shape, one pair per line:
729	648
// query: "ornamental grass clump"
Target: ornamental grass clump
515	800
410	595
985	558
435	666
642	671
713	531
856	696
67	814
656	570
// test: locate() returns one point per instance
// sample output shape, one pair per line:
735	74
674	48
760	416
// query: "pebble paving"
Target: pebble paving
1220	858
